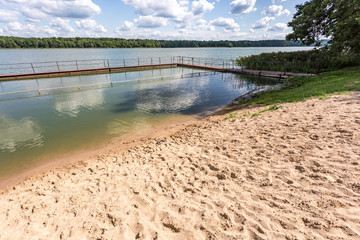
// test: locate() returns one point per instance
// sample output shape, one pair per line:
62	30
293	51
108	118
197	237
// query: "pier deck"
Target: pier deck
102	70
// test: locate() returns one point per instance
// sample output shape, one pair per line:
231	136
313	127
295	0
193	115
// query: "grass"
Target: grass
322	86
271	108
231	115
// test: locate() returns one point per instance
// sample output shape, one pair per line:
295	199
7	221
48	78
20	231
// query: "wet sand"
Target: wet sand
292	173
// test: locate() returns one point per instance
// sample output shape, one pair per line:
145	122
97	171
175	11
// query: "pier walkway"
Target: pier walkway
100	66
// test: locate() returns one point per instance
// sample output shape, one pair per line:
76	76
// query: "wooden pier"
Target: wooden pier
88	71
260	73
102	70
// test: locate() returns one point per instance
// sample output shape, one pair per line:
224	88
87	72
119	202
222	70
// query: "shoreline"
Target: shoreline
283	174
119	144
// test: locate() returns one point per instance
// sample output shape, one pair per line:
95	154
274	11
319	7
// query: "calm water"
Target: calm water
37	129
43	55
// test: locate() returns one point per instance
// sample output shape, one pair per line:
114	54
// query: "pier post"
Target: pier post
159	60
32	67
108	62
57	64
151	62
138	61
77	66
124	62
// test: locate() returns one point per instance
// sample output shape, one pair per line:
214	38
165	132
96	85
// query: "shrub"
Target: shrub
313	61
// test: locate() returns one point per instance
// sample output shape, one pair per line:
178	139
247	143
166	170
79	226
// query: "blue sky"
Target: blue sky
152	19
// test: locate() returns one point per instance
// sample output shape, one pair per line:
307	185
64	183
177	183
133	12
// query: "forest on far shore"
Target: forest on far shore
78	42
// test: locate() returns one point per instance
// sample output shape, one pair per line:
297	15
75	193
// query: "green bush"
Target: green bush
313	61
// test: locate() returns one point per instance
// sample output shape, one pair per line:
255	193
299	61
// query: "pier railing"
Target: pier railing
57	66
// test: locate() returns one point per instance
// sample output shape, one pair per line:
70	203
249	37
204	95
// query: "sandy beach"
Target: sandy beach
291	173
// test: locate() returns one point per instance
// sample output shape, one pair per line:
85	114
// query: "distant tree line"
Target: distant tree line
77	42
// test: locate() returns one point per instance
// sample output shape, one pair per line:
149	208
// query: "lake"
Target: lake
44	55
35	130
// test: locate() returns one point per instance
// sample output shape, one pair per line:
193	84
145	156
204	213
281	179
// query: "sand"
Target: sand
292	173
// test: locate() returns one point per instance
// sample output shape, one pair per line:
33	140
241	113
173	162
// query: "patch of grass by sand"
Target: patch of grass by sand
231	115
302	88
271	108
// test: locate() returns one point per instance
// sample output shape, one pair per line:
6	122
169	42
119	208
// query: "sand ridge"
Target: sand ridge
292	173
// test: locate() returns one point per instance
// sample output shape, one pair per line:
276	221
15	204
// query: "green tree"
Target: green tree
338	20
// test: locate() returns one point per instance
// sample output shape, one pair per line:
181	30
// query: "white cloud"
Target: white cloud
227	23
150	21
263	22
62	25
32	14
242	6
29	30
277	10
14	26
202	25
126	26
274	1
184	3
8	16
285	12
238	35
159	8
201	6
278	27
38	9
90	24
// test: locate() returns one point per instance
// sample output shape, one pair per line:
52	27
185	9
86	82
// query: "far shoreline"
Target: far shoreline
160	47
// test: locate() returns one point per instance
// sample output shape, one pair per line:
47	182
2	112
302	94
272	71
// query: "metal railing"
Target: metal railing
214	62
57	66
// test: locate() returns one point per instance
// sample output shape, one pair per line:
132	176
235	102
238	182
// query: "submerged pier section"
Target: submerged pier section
100	66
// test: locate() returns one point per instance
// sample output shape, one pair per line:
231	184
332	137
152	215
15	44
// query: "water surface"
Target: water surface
45	55
36	129
39	126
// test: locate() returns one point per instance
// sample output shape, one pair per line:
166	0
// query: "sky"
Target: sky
148	19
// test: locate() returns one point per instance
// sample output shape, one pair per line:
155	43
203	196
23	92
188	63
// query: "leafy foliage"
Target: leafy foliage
338	20
17	42
313	61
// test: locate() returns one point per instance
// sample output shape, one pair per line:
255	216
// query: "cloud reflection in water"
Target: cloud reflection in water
15	134
171	98
71	104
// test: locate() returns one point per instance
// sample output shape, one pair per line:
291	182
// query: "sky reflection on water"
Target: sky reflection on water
45	127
